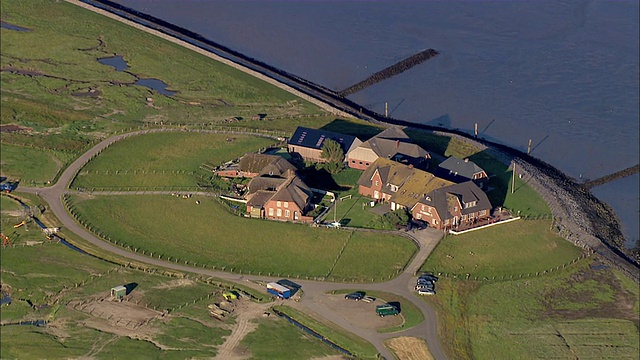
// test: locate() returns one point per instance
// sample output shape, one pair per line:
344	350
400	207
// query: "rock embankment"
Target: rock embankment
390	71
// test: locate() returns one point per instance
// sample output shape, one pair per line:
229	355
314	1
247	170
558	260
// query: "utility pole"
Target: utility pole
513	179
529	148
476	131
386	109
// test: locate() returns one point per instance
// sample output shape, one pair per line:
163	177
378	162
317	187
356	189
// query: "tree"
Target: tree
332	152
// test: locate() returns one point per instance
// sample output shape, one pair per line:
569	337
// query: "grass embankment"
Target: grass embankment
202	234
276	338
354	344
163	160
517	248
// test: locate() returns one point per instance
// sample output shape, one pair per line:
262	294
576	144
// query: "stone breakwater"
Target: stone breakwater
390	71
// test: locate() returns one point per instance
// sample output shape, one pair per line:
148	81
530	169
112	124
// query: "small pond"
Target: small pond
157	85
116	61
120	64
6	25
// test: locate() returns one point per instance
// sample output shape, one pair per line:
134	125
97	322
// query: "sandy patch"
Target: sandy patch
409	348
175	284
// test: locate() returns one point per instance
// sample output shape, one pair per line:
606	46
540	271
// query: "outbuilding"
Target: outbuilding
118	292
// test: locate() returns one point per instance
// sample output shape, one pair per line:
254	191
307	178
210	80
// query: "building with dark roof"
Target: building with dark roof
394	144
458	171
308	143
279	199
454	205
252	165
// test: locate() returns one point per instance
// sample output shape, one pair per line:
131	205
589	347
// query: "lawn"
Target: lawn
276	338
354	344
163	159
181	229
31	166
515	248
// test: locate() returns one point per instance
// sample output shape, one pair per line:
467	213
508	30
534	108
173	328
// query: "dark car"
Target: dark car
429	277
357	296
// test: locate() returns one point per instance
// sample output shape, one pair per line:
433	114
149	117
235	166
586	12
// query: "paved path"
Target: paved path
402	285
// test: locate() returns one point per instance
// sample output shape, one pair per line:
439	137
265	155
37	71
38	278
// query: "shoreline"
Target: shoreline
579	216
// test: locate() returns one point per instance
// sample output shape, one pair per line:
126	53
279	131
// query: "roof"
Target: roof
119	288
294	191
314	139
264	183
265	164
276	286
460	167
411	183
394	141
456	195
259	198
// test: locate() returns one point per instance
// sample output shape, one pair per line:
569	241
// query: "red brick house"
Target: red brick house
394	144
448	207
401	185
277	198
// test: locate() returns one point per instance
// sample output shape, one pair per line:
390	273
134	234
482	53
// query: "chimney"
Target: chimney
397	143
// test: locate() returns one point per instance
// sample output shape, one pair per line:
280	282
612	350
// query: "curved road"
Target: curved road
402	285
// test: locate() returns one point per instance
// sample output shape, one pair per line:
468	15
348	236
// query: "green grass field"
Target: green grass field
163	159
179	228
354	344
519	247
276	338
30	165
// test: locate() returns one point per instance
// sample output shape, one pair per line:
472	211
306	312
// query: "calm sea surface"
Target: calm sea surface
562	73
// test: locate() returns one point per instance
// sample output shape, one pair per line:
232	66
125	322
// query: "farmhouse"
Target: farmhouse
252	165
401	185
458	171
278	198
393	143
452	206
308	143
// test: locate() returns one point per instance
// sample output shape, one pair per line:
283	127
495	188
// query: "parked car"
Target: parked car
368	299
424	281
427	276
426	292
386	309
357	296
422	287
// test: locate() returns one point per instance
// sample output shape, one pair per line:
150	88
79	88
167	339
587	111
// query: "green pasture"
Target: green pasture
181	230
384	253
515	248
163	159
39	271
354	344
7	205
581	310
276	338
353	212
31	166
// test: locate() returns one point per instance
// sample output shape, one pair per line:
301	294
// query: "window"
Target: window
270	211
483	212
464	217
360	162
419	216
279	203
422	207
286	204
435	222
287	214
279	212
353	162
367	164
377	183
